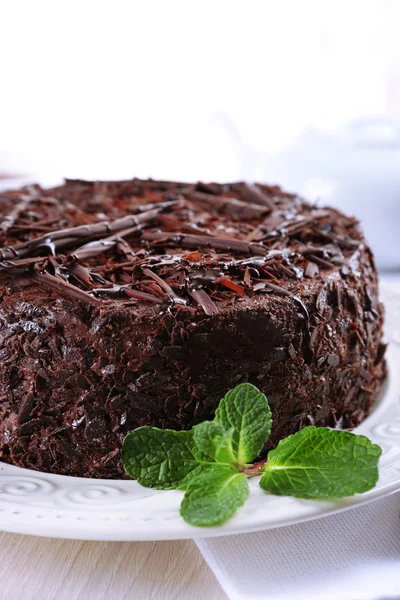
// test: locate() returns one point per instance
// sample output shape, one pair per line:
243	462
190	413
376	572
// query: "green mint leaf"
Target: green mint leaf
214	441
214	496
245	409
321	463
161	458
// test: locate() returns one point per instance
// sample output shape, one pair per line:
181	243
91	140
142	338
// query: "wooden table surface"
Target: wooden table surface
33	568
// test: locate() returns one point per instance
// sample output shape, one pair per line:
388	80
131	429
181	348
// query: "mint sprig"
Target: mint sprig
214	442
246	411
321	463
159	458
212	461
162	458
214	496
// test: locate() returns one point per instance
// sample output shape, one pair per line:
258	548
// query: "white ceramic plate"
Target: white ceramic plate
69	507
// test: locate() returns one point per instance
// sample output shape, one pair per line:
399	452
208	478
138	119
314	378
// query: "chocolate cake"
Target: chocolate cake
142	302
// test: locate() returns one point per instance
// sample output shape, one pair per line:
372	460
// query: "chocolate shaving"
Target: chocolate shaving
16	267
230	206
247	277
124	248
64	288
10	219
288	271
311	270
204	300
322	261
164	285
179	239
259	261
342	242
254	194
121	290
64	238
277	289
295	226
39	226
82	275
225	281
93	249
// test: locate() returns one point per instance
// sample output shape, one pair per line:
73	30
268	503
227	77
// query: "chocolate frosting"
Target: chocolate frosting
142	302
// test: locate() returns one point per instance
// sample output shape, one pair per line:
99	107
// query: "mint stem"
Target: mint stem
253	469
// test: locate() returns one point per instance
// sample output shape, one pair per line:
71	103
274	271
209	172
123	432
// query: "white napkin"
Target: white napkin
354	555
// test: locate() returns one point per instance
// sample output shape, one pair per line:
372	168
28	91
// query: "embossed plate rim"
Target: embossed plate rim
76	508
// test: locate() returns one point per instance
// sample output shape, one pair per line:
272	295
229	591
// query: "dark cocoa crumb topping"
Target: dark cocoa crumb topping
164	242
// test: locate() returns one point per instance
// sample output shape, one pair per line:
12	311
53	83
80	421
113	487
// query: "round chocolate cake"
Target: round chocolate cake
142	302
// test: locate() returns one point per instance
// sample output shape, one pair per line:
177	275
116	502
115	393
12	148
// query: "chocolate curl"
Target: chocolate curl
164	285
64	238
121	290
10	219
64	288
255	195
230	206
204	300
100	246
164	238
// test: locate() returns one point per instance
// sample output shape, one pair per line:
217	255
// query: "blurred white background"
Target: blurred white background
304	93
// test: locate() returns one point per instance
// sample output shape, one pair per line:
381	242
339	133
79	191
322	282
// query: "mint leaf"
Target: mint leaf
161	458
214	496
214	441
321	463
245	409
212	461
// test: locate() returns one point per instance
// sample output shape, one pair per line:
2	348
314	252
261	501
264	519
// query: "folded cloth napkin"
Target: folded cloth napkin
353	555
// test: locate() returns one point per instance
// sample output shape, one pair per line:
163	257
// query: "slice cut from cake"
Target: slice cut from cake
142	302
